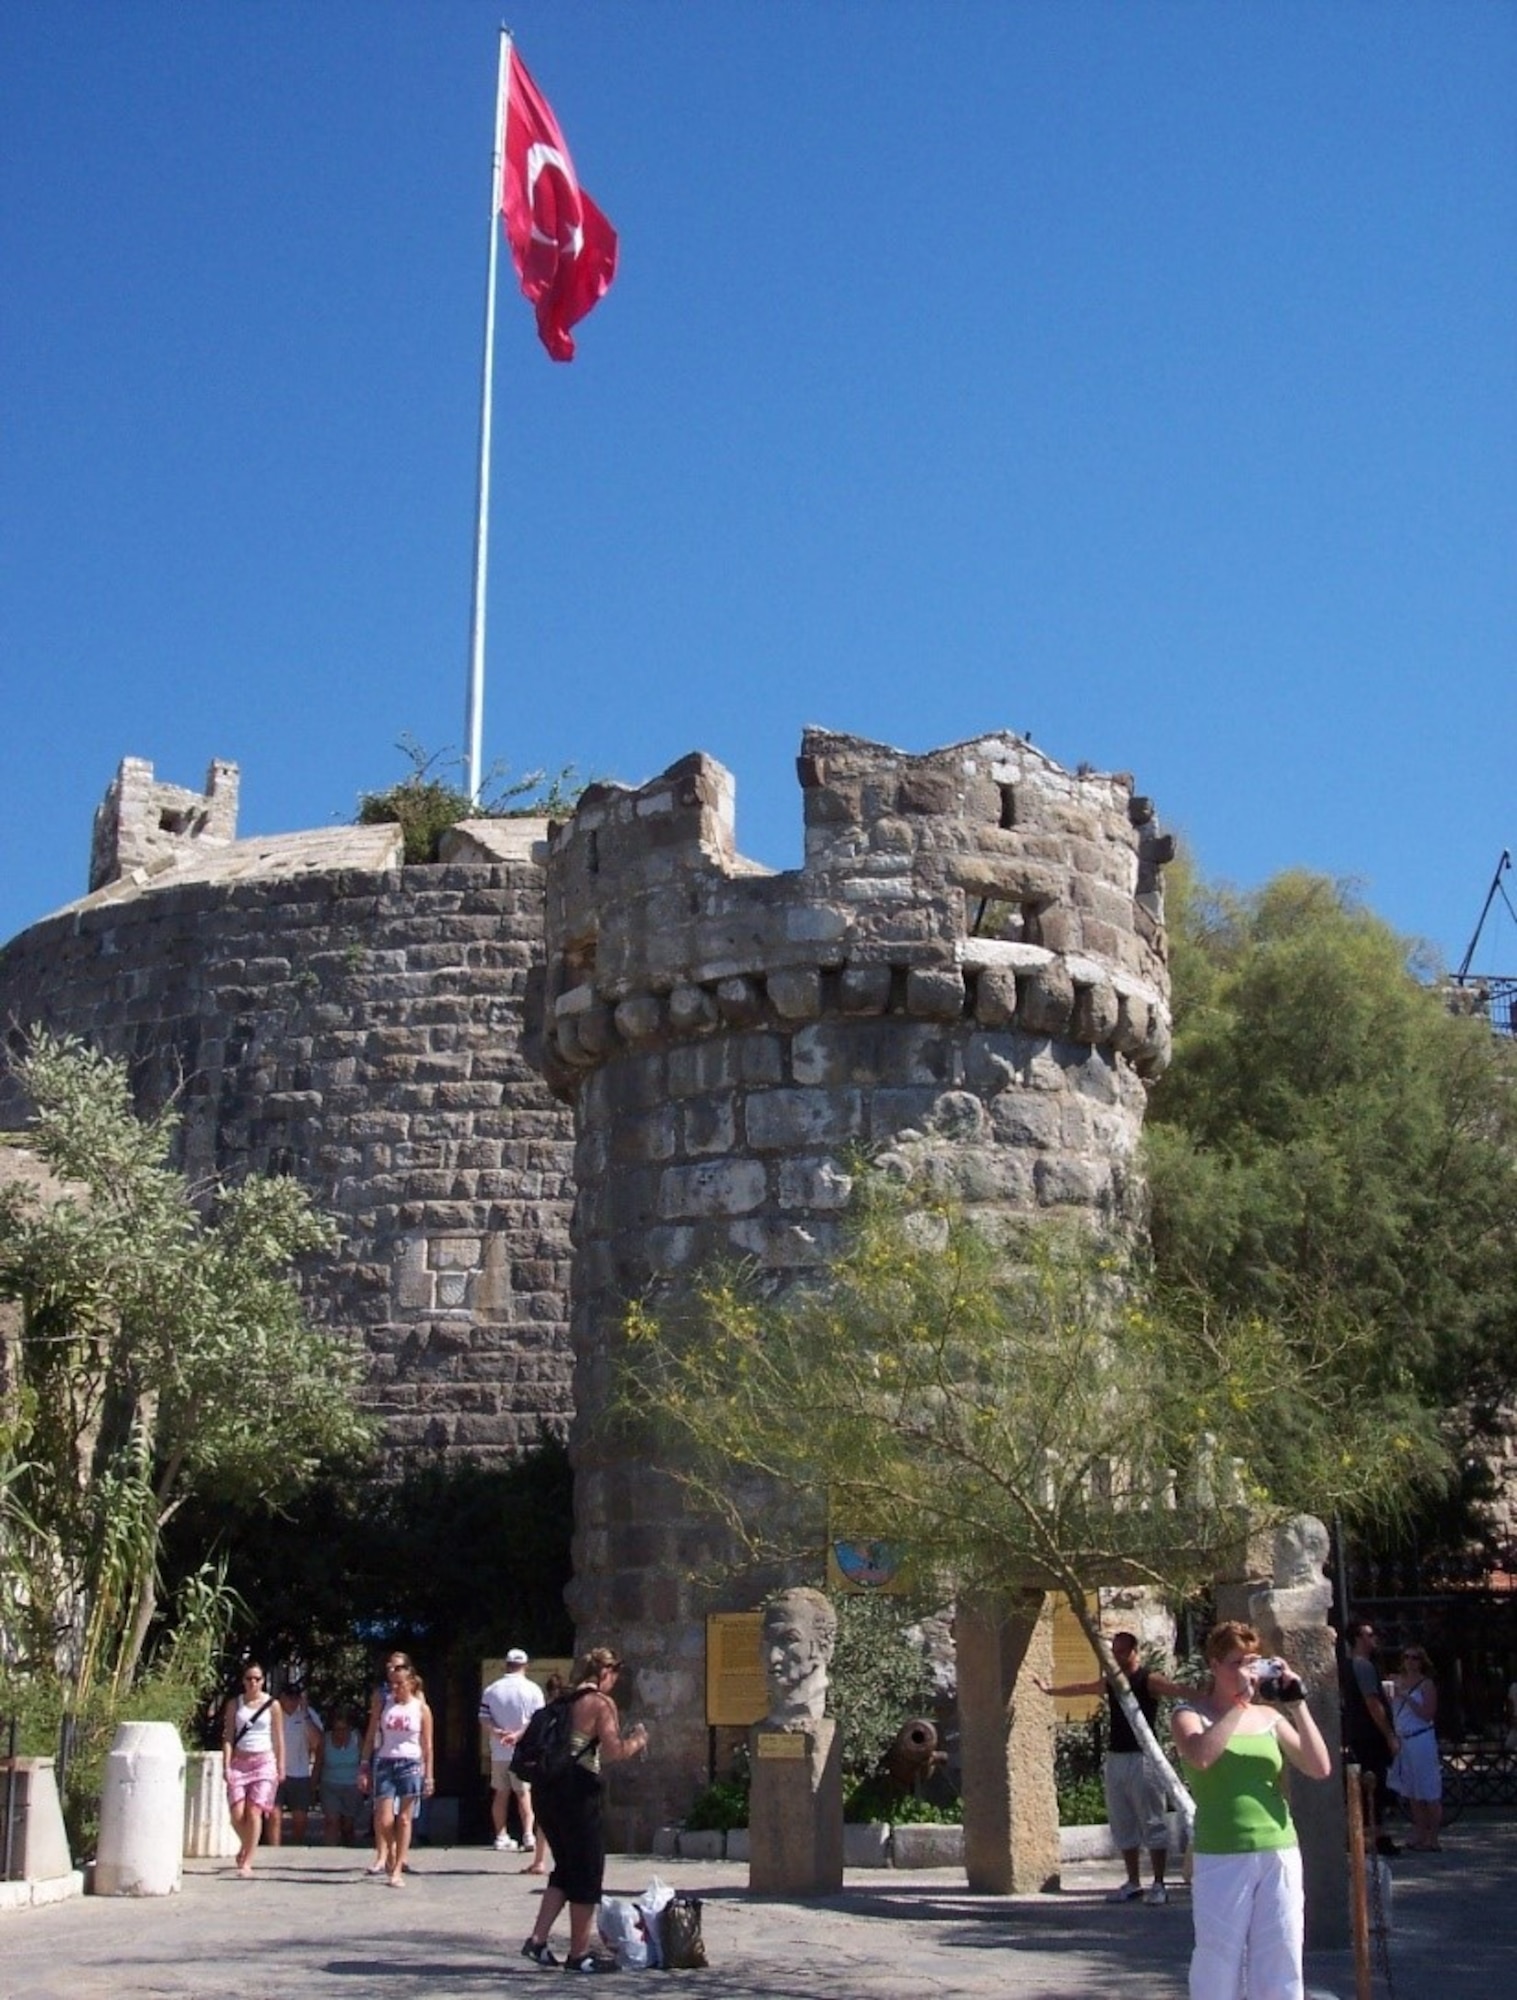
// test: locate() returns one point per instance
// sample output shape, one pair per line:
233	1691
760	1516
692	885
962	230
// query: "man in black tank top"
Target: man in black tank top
1136	1803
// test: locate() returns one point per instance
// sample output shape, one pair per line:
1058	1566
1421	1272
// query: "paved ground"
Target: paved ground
311	1927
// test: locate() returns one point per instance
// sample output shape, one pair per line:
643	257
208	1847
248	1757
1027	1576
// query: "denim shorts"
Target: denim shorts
397	1778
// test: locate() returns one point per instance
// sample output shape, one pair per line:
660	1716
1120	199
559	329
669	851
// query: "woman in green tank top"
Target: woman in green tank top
1246	1892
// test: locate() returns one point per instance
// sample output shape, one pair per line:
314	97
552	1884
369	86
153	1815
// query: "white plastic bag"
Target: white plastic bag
620	1923
650	1904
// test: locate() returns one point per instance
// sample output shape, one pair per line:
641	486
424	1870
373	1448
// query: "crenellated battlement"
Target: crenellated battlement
981	882
142	826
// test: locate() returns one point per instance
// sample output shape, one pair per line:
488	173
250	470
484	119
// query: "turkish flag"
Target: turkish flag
563	247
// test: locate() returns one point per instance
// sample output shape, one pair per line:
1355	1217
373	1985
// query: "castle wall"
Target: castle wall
361	1027
971	960
972	954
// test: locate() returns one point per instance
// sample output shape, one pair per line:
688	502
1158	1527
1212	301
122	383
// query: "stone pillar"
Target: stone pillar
29	1796
795	1810
1011	1812
209	1834
1290	1615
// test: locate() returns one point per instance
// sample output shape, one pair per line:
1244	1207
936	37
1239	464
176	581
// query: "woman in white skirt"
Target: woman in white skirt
1416	1774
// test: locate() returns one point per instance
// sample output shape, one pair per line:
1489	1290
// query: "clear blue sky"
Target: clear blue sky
1141	376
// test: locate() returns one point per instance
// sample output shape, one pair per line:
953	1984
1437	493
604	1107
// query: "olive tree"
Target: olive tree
159	1349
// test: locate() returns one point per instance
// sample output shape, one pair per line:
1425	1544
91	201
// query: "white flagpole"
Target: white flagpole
474	713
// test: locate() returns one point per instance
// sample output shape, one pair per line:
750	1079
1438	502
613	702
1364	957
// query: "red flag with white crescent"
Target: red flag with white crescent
564	249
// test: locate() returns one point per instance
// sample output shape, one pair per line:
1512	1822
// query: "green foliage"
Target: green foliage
425	805
162	1352
877	1800
1082	1802
1012	1408
1330	1141
1077	1774
452	1560
720	1807
55	1721
879	1679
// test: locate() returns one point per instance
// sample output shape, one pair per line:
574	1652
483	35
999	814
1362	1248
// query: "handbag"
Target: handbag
682	1947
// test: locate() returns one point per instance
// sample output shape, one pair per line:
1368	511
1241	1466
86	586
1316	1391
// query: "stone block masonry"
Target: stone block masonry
321	1011
971	961
623	1019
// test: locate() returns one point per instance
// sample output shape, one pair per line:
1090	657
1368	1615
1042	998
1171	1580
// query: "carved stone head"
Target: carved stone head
800	1630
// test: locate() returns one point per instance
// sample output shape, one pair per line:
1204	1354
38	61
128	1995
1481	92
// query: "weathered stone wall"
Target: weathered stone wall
324	1012
972	952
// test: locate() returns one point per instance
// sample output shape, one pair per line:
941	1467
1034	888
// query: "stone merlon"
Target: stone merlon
981	879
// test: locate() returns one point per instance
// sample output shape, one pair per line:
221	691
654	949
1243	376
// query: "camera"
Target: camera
1274	1681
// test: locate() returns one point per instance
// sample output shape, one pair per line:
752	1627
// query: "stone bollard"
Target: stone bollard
142	1812
29	1801
209	1834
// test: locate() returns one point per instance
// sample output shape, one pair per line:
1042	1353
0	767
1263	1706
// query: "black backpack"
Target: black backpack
543	1755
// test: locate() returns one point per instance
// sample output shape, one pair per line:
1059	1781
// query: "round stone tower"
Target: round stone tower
972	951
318	1009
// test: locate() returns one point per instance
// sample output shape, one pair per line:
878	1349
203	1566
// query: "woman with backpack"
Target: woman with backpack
567	1794
252	1761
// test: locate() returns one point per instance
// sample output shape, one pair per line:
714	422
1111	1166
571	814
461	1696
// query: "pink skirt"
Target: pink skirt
254	1776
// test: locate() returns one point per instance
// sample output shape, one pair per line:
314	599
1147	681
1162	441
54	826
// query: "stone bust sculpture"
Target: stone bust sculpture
800	1631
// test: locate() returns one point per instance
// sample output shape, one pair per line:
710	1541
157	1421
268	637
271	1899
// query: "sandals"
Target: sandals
588	1961
538	1953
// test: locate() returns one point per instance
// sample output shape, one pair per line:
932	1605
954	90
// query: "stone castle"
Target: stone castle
568	1060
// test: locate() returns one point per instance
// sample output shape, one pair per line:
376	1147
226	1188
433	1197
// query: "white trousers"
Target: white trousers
1250	1917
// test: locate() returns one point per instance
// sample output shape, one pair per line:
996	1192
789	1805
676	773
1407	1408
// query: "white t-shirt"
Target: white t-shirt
297	1744
508	1703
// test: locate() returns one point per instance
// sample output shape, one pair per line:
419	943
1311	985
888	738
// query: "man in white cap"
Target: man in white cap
505	1708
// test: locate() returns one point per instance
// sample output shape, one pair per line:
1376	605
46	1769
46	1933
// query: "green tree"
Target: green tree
1015	1410
161	1351
1331	1138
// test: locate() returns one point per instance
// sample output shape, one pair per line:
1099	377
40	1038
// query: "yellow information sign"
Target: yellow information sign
1073	1660
737	1693
782	1743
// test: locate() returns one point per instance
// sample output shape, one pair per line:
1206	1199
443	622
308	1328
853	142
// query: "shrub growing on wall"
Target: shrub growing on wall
424	805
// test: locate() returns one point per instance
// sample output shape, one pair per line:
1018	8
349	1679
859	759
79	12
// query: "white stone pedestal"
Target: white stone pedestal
209	1834
142	1812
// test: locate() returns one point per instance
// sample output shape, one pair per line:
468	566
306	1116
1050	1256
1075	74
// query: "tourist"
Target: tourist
341	1748
252	1761
302	1764
1417	1774
396	1765
553	1687
1137	1799
1369	1734
505	1708
1247	1896
569	1810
